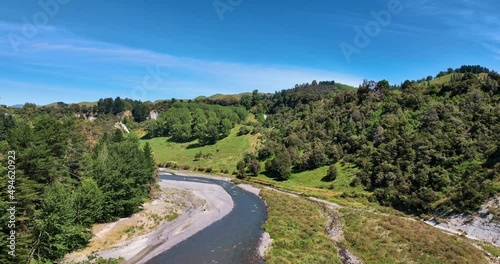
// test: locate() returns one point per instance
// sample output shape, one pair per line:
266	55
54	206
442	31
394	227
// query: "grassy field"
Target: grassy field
87	104
493	250
223	96
225	154
387	239
297	228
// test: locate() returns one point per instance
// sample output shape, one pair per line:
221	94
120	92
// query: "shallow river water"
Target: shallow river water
234	239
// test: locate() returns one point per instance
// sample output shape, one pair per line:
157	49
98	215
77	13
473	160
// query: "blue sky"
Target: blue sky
154	49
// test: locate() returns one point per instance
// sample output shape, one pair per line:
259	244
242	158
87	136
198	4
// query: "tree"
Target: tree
317	157
406	85
246	101
118	106
281	166
117	135
332	174
89	201
254	167
56	229
149	156
7	122
255	97
241	170
383	85
140	112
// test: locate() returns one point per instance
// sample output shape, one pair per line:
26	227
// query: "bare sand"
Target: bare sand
206	204
250	188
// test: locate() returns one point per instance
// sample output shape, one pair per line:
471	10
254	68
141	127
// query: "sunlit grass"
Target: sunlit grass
225	154
493	250
389	239
297	228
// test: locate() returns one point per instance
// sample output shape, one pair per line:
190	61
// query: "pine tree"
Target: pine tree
89	201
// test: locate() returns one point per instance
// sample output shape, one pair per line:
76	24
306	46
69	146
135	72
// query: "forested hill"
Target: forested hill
419	148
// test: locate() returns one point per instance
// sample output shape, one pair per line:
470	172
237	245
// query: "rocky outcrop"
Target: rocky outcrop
483	226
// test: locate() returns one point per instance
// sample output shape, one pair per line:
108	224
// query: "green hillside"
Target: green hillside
447	78
88	104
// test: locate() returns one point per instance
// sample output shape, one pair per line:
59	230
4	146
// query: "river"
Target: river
232	239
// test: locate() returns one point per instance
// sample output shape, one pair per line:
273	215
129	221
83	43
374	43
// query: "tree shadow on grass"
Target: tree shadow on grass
326	179
146	137
273	176
199	145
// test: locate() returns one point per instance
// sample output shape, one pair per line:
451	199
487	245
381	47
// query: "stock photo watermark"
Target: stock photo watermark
11	202
371	30
153	80
33	25
223	6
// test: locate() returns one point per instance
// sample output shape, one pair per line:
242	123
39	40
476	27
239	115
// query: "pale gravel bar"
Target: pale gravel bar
143	248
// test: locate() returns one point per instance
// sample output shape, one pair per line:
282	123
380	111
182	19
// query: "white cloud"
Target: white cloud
106	63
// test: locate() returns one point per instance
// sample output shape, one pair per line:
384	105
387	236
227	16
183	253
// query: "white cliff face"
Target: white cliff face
484	225
120	125
153	115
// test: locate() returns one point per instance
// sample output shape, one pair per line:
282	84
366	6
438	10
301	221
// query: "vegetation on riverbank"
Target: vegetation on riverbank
373	237
298	231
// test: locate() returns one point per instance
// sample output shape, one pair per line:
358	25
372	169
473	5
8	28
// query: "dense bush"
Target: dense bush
420	149
185	122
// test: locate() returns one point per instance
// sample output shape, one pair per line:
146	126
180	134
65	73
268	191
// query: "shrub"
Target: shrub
240	175
201	169
265	152
186	167
355	181
198	156
281	166
331	175
254	167
244	130
209	169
